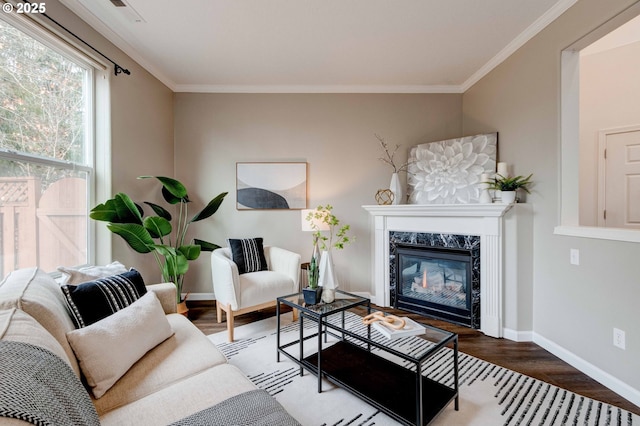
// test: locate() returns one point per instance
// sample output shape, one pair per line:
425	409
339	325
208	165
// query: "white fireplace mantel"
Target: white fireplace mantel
483	220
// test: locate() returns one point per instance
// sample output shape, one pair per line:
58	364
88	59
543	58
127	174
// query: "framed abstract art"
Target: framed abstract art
271	186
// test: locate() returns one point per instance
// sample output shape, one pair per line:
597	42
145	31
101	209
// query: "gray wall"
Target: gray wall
141	131
575	307
333	133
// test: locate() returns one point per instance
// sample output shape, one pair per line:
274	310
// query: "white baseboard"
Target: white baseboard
200	296
517	336
613	383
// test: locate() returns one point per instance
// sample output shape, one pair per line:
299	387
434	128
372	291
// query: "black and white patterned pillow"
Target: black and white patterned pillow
248	254
95	300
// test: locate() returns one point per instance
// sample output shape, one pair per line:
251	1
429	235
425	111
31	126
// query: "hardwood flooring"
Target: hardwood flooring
524	357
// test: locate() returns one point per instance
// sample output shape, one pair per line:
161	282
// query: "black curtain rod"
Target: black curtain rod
117	68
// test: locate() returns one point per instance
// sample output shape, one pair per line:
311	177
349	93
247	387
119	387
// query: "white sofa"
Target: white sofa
184	374
237	294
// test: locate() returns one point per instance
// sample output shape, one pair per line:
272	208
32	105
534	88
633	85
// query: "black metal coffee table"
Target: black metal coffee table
368	365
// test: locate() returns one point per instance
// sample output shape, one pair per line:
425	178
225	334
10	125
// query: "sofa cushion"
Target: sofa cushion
94	300
186	353
37	294
18	326
248	254
89	273
182	398
134	330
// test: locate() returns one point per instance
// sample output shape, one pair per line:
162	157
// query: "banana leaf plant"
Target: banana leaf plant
160	234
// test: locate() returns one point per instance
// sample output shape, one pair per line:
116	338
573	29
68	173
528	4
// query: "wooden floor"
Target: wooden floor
524	357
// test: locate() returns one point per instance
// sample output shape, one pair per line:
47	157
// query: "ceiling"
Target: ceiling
333	46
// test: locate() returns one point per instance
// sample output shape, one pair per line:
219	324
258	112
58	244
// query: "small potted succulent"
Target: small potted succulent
313	292
509	186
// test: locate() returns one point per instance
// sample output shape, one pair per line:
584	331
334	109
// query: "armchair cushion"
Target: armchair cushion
248	254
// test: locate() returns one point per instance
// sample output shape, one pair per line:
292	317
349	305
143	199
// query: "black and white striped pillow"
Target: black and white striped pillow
95	300
248	254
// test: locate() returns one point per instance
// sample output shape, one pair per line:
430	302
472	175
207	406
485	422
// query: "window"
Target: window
46	153
582	188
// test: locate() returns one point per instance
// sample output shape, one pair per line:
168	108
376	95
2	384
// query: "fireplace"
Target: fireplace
437	275
500	234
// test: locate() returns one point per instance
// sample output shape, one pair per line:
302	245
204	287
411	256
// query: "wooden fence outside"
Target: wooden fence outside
45	229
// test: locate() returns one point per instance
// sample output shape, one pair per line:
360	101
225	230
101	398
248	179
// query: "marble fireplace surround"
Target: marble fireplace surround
501	299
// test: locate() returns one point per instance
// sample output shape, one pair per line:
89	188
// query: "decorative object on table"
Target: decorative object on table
509	186
393	327
271	186
309	223
448	172
485	182
384	197
322	219
389	158
157	234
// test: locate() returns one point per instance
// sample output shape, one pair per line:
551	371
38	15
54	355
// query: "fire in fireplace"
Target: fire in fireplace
438	279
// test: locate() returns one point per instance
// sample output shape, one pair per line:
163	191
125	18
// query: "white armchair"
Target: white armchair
237	294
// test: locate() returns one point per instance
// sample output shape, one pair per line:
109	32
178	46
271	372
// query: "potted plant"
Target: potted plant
313	292
510	185
162	234
389	158
321	219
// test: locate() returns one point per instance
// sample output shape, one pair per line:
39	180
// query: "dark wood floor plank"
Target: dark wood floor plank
523	357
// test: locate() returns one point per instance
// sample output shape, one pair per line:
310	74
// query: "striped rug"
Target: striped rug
489	395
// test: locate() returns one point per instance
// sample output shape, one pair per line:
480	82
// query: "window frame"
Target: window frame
568	201
97	155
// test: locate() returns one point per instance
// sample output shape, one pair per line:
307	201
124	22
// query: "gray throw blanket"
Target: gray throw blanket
252	408
38	387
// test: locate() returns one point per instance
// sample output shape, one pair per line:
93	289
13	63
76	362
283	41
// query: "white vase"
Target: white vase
508	197
327	274
485	197
396	188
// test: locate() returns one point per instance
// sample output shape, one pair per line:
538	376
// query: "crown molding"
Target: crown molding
531	31
214	88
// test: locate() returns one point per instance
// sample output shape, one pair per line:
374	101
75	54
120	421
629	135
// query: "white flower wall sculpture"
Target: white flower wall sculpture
449	171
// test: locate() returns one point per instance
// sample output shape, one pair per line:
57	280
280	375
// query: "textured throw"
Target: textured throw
490	395
38	387
253	408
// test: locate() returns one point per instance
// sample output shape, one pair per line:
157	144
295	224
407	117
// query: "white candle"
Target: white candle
502	169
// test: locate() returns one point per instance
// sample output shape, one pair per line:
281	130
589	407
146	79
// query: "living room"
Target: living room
199	137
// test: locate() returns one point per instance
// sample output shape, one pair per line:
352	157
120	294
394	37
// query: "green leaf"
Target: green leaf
135	235
159	210
165	250
191	252
120	209
205	245
157	226
211	208
173	190
175	265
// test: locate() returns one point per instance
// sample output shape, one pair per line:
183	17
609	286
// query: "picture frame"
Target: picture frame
271	185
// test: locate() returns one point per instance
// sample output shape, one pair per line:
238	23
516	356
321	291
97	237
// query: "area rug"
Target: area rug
489	394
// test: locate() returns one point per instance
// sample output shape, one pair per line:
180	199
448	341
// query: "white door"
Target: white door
620	203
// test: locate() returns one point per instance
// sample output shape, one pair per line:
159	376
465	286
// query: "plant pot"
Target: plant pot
182	308
508	197
312	296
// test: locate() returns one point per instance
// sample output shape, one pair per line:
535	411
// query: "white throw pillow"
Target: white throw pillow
108	348
89	273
